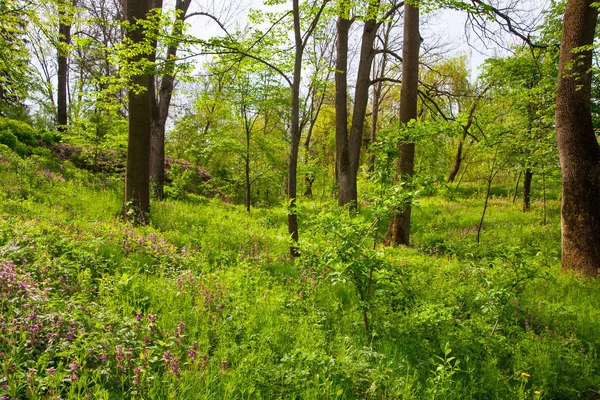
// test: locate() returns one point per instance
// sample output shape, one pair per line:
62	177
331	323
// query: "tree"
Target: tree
578	147
162	101
399	228
65	17
349	142
140	97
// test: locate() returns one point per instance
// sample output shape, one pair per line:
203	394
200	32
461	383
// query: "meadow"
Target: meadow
204	302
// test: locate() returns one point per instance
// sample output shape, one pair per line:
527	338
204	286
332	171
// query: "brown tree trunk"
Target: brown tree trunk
64	40
295	133
137	176
578	147
247	168
163	102
350	157
527	190
458	159
377	92
342	150
399	228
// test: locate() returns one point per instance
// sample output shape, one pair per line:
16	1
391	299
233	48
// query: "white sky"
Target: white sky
447	25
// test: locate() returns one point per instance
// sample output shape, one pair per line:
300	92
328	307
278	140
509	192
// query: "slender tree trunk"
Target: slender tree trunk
163	102
578	147
64	40
247	171
517	187
137	176
309	178
457	159
377	89
527	190
399	228
295	134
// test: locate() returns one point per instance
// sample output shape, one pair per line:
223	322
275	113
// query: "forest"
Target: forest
299	199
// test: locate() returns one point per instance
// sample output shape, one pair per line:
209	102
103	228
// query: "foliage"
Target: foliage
204	302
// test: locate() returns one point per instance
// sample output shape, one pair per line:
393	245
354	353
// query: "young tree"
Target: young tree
578	147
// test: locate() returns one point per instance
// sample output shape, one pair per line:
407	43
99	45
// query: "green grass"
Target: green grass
204	304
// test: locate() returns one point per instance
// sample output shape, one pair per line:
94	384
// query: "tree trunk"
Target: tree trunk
342	151
458	159
399	228
247	170
162	104
295	134
64	40
527	190
578	147
517	187
137	176
350	158
377	89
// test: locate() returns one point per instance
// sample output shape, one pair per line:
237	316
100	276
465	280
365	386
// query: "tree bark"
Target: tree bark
527	190
295	133
578	147
377	92
137	176
64	40
342	150
457	159
350	151
163	102
399	228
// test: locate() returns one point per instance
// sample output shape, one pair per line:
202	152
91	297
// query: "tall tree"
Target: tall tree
140	97
578	147
65	17
399	228
162	102
349	142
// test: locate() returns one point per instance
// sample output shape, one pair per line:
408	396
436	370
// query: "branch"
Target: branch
205	14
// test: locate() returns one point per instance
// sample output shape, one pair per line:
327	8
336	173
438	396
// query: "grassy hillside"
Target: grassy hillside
204	304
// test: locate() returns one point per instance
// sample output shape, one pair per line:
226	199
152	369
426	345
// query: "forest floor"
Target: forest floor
204	302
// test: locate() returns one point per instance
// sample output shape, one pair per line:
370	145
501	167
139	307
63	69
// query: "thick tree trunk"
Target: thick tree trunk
137	176
578	147
342	151
399	228
162	104
527	190
64	40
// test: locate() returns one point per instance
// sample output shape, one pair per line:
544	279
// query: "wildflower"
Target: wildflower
537	392
224	364
525	374
51	371
74	366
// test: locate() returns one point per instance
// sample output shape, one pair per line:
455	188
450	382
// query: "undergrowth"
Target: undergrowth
204	302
